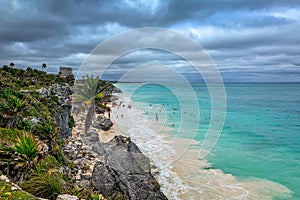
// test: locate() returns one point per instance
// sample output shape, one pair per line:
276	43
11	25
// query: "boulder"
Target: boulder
125	172
102	123
99	110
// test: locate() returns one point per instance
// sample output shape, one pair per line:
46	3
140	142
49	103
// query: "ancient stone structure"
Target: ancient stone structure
65	71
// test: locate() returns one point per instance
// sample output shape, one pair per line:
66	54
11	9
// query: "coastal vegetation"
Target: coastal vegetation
40	156
31	134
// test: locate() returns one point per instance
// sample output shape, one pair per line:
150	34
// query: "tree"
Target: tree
44	66
89	93
11	64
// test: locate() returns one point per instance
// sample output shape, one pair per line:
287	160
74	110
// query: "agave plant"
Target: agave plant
19	159
27	146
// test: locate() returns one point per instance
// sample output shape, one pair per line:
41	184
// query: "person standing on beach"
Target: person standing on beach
156	117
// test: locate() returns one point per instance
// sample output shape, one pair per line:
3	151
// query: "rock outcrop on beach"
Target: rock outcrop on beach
99	110
102	122
117	169
124	172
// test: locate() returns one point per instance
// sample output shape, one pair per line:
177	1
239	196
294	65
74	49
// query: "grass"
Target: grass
47	163
9	136
46	182
49	185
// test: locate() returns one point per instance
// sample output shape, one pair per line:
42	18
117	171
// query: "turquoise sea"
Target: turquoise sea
261	134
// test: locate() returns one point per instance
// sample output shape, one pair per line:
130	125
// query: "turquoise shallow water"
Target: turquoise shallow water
261	135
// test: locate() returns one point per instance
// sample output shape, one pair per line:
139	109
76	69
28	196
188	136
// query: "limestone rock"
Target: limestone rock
63	92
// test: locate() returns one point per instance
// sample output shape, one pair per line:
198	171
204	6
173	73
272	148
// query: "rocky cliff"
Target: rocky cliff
124	172
63	116
118	169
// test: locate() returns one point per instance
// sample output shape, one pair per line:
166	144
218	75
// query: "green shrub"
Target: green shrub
46	129
17	195
47	163
54	99
26	125
10	92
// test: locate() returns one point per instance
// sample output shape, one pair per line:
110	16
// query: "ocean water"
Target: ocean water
260	139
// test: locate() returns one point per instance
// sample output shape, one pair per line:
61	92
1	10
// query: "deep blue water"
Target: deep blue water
261	135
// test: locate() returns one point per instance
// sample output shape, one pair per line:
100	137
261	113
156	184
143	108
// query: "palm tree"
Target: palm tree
90	93
44	66
11	64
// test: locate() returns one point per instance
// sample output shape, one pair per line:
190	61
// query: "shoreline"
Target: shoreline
200	180
176	166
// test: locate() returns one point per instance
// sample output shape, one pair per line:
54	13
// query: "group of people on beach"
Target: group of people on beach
174	109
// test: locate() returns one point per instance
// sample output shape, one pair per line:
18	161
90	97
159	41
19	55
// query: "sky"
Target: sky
249	41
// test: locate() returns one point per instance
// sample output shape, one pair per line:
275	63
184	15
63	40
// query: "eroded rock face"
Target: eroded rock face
63	92
63	114
62	120
125	172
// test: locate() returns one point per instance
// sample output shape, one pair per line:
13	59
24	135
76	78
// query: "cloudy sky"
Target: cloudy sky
247	40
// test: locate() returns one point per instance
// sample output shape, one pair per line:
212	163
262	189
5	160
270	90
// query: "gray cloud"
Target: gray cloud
246	39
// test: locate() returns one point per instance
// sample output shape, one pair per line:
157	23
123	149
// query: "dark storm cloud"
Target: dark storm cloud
258	36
